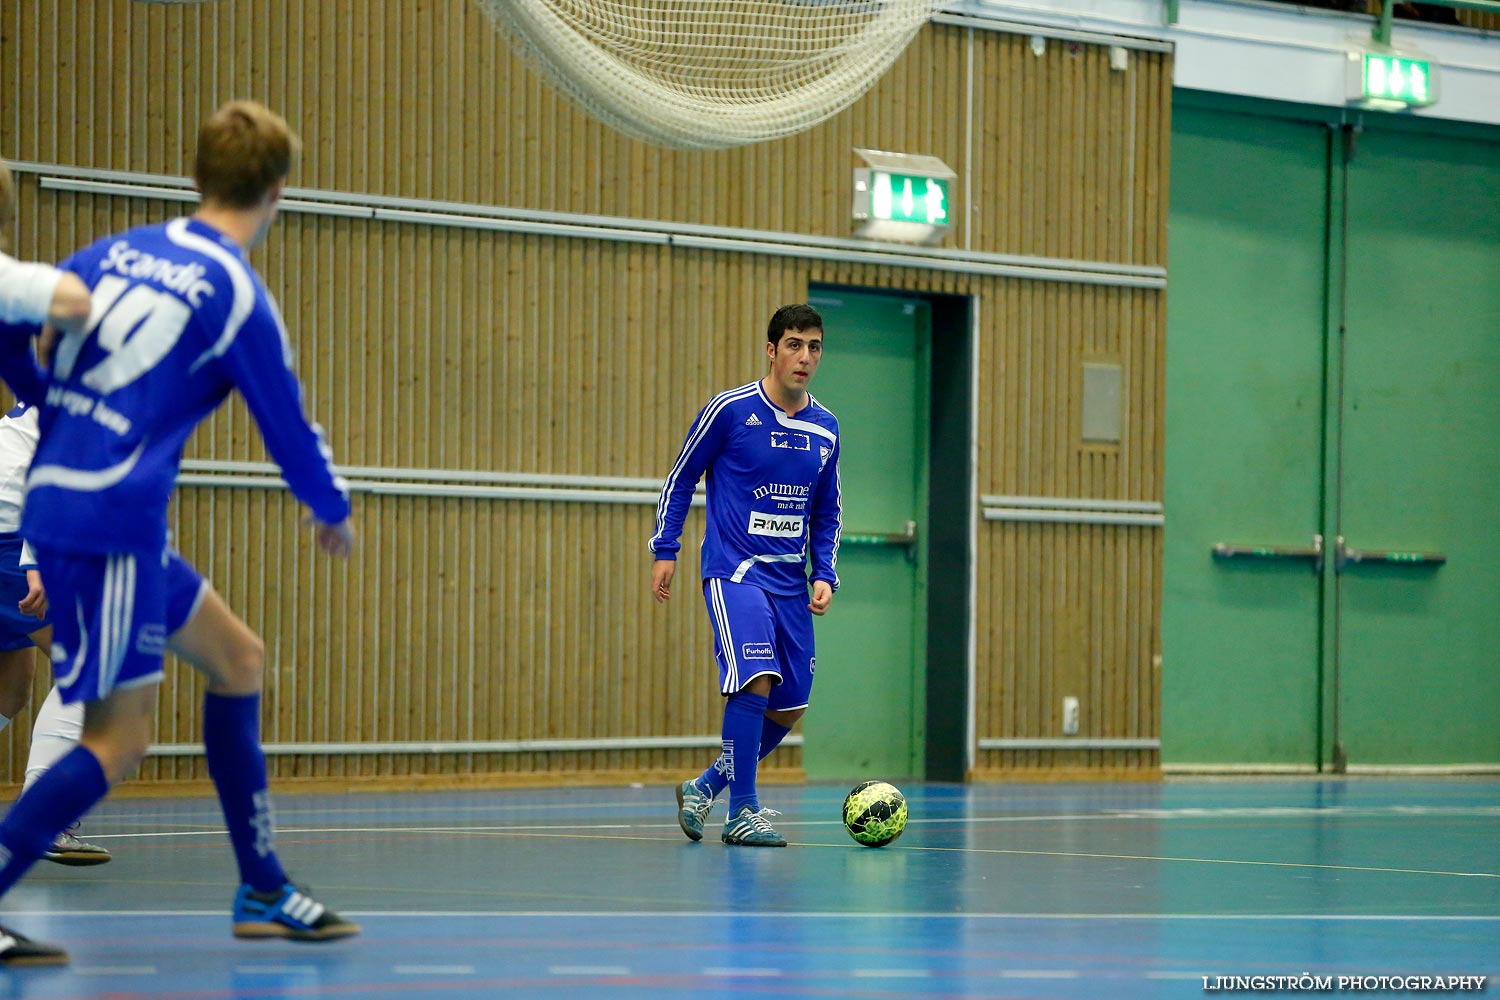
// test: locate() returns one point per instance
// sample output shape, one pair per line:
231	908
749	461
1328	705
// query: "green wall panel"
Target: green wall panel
1420	648
1339	374
1245	309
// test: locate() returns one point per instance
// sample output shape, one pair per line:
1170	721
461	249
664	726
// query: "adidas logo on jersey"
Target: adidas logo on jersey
753	421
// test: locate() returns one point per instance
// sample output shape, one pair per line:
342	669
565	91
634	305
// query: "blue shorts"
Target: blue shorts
757	633
112	615
15	627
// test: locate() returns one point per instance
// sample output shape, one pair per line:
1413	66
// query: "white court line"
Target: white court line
588	970
1038	973
113	970
282	832
433	970
677	915
1141	815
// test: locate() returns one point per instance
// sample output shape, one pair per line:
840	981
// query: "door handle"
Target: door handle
1343	556
1314	552
907	538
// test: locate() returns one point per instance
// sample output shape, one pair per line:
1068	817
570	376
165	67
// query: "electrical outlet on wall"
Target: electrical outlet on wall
1070	716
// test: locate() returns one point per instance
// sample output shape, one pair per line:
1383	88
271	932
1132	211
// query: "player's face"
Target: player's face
795	358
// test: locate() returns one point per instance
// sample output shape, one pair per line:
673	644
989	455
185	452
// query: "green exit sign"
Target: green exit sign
908	198
1391	81
902	197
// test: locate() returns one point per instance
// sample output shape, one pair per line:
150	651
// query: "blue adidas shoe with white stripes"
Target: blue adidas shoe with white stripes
693	805
750	828
287	913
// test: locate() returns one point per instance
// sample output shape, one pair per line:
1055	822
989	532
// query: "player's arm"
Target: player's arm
32	294
68	311
260	365
35	601
705	439
825	527
40	293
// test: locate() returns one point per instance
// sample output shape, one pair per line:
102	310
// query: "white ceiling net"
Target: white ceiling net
711	74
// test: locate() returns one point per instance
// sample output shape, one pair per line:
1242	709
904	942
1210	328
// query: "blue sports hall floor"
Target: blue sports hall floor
1044	891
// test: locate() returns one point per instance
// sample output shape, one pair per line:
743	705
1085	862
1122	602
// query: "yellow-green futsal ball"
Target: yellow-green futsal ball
875	813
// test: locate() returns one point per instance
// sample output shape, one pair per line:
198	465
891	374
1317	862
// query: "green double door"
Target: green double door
867	717
1333	417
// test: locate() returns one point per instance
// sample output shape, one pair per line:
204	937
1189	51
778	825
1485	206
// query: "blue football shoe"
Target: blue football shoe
287	913
749	828
693	805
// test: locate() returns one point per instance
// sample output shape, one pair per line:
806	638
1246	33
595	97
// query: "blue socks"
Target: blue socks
69	789
771	736
713	780
231	737
744	714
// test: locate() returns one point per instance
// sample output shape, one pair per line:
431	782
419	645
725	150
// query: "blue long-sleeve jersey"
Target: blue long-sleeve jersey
179	319
773	492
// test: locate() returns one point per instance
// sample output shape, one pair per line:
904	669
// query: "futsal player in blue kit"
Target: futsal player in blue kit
770	453
179	320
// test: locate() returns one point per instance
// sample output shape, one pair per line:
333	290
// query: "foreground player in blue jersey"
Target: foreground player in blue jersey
771	456
179	320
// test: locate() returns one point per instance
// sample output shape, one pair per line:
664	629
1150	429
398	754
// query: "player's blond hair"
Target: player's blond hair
244	148
7	201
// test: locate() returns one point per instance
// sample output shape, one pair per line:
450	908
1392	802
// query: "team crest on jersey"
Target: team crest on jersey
791	440
752	421
823	452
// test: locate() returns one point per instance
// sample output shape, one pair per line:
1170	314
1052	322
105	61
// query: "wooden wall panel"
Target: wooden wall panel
458	349
425	101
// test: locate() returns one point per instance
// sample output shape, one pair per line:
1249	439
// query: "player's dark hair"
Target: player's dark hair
799	316
243	150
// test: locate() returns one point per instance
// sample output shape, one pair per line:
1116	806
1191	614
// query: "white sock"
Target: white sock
58	729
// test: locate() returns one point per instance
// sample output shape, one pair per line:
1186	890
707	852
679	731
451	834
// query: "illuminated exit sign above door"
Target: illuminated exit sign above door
1391	81
904	197
908	197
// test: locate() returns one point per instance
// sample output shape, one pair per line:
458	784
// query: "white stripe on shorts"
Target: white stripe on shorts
726	637
119	608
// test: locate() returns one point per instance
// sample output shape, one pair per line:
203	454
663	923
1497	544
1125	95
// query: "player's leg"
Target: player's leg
56	730
695	797
115	738
17	667
774	729
103	652
215	641
17	660
786	701
796	656
744	645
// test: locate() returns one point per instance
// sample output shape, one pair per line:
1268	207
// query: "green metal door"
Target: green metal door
1419	642
1244	417
867	713
1333	400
